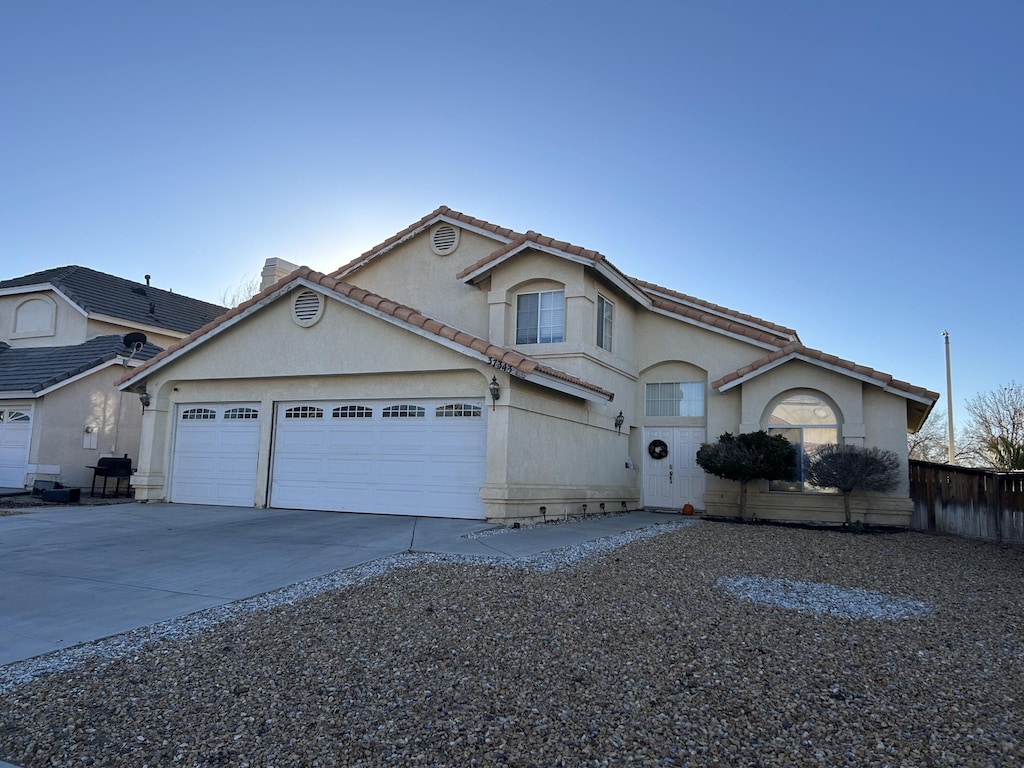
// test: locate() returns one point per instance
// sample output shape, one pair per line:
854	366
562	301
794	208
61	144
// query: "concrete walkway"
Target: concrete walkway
70	575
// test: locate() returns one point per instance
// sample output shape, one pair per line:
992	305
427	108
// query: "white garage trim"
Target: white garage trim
215	455
403	457
15	439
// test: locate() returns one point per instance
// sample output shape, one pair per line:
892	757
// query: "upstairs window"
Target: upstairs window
807	422
604	323
540	317
674	398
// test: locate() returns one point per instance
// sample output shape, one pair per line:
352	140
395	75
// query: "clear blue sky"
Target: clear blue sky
854	170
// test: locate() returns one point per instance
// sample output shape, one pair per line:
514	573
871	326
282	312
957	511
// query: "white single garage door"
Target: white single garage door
216	448
408	457
15	438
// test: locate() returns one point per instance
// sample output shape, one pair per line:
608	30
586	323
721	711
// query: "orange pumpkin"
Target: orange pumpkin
687	509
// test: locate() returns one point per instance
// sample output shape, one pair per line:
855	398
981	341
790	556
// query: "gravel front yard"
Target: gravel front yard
667	651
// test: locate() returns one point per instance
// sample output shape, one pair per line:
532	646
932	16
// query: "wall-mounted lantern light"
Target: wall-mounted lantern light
495	389
619	421
144	399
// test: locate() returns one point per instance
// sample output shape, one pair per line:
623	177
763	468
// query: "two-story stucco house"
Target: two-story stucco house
463	369
61	353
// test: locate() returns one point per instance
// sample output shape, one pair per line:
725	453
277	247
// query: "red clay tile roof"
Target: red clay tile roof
443	211
797	350
734	322
519	362
543	241
788	333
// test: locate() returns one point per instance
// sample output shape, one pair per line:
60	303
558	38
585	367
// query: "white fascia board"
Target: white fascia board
715	329
828	367
566	387
43	288
419	231
145	327
601	267
19	395
623	285
128	384
90	372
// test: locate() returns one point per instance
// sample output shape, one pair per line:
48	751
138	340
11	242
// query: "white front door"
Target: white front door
216	449
674	479
15	438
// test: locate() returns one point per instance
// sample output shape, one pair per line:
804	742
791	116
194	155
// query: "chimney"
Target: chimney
147	279
274	269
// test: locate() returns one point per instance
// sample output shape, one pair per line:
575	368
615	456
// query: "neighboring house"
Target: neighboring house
506	376
61	353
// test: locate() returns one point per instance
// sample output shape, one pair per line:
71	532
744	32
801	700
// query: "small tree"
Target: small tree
748	456
995	426
849	468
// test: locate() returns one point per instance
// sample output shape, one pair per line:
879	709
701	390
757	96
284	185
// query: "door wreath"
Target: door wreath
658	449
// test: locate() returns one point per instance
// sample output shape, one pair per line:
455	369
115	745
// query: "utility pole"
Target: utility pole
949	402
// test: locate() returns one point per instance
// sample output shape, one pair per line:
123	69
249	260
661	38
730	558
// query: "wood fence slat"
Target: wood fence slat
964	501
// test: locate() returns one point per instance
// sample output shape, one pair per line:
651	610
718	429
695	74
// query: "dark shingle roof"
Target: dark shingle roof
37	368
111	295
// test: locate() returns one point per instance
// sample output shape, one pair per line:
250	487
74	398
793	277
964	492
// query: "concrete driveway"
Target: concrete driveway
75	574
70	575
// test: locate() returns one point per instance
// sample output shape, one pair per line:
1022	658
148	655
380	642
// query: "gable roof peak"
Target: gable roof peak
392	309
96	292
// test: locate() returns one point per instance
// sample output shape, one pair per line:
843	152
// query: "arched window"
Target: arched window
807	422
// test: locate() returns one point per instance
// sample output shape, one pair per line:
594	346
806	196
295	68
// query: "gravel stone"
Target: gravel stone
681	645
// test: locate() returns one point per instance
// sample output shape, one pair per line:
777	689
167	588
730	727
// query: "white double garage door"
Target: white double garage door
409	457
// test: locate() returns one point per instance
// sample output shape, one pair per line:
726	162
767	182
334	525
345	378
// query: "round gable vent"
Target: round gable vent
307	308
444	239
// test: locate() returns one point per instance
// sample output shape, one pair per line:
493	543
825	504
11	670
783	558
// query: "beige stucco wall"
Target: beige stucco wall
69	323
412	274
555	452
62	449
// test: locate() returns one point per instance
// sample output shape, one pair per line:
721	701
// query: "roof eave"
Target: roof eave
104	318
44	288
376	253
884	386
602	267
283	286
715	329
19	394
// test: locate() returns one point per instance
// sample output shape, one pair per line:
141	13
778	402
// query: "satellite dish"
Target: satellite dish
133	341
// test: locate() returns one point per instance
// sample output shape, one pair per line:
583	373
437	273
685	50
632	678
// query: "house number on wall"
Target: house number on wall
504	367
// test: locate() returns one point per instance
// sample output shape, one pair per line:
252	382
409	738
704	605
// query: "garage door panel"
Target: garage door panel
394	465
348	472
215	457
15	441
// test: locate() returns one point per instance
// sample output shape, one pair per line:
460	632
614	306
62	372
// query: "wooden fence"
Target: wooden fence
977	503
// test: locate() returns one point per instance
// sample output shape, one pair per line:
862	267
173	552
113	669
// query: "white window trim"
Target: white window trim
605	334
540	326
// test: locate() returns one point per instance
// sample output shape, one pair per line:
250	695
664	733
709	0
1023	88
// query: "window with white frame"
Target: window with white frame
604	322
540	317
807	422
674	398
